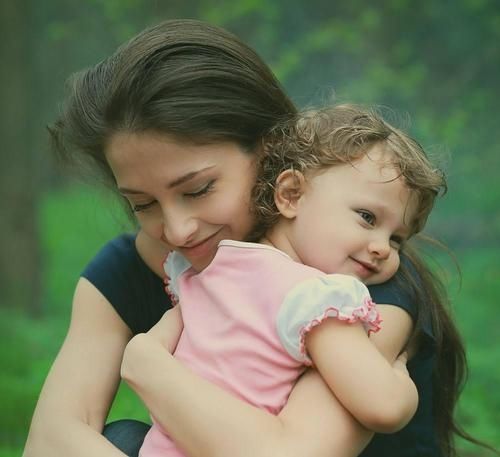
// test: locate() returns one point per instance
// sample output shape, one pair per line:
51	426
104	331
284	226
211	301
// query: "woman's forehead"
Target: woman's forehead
146	156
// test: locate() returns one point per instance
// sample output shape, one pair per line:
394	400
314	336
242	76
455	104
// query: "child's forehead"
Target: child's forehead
379	162
380	153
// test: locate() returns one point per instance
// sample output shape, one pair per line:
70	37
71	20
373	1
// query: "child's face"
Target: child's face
188	196
352	219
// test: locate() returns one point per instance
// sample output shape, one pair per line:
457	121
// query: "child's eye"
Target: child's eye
367	216
202	191
143	207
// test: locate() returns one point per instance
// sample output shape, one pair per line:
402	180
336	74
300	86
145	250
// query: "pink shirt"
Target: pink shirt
245	318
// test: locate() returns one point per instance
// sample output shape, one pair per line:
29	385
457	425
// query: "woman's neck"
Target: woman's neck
152	252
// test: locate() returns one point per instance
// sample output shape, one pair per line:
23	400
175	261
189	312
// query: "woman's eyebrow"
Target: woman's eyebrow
176	182
187	177
124	190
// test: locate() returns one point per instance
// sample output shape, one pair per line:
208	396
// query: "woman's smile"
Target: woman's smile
201	250
199	194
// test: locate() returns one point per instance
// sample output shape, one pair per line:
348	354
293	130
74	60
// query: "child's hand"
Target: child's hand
399	364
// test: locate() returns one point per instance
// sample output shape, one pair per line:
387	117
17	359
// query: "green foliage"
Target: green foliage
71	230
476	304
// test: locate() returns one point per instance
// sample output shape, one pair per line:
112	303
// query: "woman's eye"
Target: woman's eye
138	208
202	191
367	216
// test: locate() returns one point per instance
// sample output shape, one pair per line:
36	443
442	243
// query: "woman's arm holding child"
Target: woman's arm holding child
206	421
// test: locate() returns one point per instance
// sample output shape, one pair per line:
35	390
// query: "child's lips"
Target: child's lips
365	268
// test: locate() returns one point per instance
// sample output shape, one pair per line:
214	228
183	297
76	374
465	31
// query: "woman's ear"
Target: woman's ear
290	186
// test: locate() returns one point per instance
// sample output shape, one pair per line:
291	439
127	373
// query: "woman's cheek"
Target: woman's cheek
238	212
151	225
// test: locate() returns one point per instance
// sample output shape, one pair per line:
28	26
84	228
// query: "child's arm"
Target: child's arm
324	321
382	397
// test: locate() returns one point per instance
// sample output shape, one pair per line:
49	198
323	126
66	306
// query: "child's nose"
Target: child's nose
380	248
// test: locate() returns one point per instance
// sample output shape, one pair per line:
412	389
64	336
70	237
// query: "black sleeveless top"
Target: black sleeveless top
138	296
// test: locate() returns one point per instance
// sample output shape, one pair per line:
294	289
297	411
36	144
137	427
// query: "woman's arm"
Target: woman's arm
206	421
379	395
82	382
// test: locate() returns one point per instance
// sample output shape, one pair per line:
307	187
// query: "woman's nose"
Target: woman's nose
179	229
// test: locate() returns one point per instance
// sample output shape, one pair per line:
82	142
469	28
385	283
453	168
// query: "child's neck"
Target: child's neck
278	238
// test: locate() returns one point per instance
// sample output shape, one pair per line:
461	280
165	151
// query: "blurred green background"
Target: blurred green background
435	62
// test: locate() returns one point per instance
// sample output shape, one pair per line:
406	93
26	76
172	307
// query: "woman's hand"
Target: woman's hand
168	329
146	351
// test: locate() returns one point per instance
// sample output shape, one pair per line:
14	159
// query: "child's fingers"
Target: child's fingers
400	363
403	357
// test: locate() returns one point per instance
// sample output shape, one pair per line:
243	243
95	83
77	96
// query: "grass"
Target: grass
77	222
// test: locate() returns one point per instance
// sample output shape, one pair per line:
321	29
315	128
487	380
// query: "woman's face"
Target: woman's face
188	196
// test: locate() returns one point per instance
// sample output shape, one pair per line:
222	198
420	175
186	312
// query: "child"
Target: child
348	191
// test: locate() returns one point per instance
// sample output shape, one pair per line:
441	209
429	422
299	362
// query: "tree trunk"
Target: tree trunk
20	275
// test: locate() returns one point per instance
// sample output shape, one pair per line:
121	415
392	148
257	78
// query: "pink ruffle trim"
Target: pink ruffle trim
366	313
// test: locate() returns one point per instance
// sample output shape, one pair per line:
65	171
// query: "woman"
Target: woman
184	89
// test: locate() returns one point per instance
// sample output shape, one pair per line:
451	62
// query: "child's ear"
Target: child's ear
290	186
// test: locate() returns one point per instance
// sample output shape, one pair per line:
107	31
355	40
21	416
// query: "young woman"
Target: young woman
184	89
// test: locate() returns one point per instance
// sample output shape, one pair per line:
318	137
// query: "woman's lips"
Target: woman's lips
201	249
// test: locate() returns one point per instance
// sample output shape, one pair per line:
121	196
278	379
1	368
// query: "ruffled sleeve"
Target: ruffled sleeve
314	300
175	264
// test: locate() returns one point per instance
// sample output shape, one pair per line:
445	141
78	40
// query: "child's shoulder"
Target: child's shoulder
264	258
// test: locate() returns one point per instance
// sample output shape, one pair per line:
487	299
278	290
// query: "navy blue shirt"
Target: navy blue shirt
139	297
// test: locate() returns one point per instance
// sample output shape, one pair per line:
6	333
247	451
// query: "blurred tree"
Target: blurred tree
20	274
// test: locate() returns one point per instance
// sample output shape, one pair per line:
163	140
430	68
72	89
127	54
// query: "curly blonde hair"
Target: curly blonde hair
322	138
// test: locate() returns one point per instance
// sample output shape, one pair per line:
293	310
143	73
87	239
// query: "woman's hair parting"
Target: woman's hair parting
185	78
318	139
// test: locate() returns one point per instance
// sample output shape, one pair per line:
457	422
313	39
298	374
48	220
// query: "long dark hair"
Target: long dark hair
183	78
450	368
